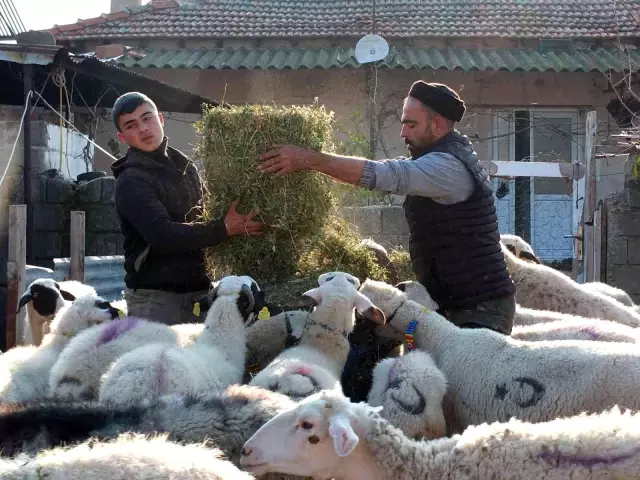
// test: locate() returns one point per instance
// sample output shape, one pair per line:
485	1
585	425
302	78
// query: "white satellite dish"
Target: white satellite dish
371	48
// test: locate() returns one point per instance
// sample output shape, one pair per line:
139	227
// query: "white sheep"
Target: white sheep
577	328
492	377
326	436
215	360
128	457
43	298
317	362
411	390
77	373
544	288
24	371
524	251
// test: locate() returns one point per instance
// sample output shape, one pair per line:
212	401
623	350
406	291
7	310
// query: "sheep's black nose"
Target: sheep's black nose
246	451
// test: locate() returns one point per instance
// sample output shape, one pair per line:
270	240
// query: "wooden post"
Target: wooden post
590	196
16	272
76	262
597	244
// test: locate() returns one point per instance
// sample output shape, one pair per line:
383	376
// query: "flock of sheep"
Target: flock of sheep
255	390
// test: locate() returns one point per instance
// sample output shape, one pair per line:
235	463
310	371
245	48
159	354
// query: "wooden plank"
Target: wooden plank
16	272
76	261
590	195
597	245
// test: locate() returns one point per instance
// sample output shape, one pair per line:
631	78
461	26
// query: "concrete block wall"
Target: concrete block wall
386	224
52	210
622	261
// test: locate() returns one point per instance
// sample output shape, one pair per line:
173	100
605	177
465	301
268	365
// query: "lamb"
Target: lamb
539	286
411	390
230	417
77	373
326	436
43	298
127	457
24	371
492	377
524	251
215	360
317	362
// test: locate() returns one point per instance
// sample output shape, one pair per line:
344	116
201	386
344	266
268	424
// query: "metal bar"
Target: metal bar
28	200
590	197
16	271
574	171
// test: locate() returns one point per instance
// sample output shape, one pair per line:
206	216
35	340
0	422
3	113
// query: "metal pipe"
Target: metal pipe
28	197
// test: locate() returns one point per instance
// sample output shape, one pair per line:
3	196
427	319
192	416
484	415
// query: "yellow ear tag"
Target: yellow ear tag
264	314
425	310
196	309
120	314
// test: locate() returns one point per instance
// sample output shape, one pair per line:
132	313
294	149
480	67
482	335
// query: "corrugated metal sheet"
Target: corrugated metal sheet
584	60
105	274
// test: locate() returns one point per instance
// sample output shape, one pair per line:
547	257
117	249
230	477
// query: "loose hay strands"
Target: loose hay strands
294	207
402	263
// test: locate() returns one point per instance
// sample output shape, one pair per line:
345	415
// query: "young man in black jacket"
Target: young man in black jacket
158	196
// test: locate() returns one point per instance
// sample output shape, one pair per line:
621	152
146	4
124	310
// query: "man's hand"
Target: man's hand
287	158
238	224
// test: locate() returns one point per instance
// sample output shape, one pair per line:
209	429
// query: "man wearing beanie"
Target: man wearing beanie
454	238
158	196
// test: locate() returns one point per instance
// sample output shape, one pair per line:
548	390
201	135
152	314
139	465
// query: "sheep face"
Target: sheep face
335	283
83	313
519	247
307	440
250	298
418	293
46	297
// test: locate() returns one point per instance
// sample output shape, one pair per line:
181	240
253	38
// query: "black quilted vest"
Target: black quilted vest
455	249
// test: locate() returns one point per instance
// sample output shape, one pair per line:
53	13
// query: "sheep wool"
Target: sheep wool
214	361
411	390
129	457
24	371
492	377
355	443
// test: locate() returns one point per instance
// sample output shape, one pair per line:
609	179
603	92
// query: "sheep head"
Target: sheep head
83	313
250	298
518	247
332	282
309	439
46	296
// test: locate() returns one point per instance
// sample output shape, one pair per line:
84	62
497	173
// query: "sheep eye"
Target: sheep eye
35	294
313	439
103	304
306	425
350	280
329	278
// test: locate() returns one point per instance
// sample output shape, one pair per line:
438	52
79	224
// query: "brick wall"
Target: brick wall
385	224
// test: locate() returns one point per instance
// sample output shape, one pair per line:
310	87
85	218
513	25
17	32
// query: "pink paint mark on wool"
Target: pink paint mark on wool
116	328
301	370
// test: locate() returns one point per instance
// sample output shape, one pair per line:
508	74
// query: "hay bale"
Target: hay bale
402	263
294	207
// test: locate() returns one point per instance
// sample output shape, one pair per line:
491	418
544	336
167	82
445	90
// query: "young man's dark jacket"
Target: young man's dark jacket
156	193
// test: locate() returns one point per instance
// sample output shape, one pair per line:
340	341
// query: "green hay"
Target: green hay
294	207
402	262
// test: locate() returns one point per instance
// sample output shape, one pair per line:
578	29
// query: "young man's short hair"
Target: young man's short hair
127	103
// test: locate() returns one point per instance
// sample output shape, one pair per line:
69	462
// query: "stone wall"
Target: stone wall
621	263
385	224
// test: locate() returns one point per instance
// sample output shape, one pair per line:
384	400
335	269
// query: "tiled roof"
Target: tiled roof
585	60
352	18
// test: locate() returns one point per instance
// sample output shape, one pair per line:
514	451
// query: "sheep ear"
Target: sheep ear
369	310
310	298
530	256
345	440
67	295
